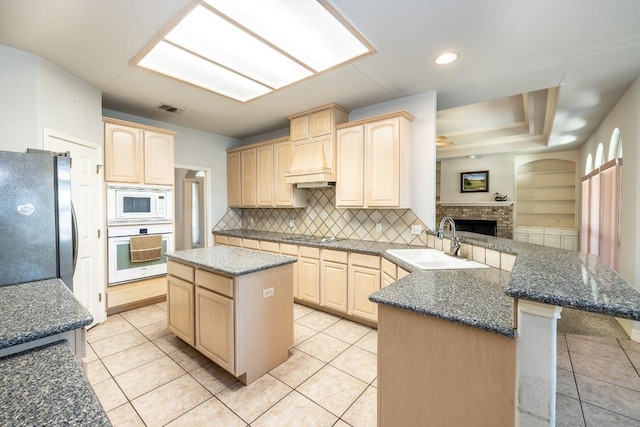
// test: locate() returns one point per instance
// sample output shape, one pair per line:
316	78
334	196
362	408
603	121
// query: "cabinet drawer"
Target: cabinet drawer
308	252
370	261
215	282
287	249
235	241
389	268
560	232
529	230
334	256
180	270
251	244
221	240
401	273
269	246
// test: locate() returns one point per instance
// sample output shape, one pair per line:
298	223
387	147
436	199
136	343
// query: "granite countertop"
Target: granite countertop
230	260
484	298
29	311
45	386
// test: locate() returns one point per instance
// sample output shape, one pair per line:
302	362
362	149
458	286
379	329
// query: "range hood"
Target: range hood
312	164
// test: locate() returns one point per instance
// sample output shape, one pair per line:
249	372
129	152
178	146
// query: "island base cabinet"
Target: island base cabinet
440	373
214	328
180	317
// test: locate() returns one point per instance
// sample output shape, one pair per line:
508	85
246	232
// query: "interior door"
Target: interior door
88	200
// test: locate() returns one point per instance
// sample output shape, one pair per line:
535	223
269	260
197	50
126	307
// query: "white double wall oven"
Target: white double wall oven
137	211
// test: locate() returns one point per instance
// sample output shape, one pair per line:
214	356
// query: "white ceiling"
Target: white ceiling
508	52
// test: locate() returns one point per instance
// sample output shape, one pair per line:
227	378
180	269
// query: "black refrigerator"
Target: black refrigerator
37	228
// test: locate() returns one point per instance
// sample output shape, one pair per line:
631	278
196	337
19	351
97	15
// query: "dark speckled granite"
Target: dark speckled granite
229	260
540	274
46	387
34	310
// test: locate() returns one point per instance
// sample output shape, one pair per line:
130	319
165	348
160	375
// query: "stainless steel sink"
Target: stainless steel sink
433	259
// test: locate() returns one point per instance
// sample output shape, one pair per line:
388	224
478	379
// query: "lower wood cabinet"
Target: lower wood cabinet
364	279
180	318
334	280
309	274
215	327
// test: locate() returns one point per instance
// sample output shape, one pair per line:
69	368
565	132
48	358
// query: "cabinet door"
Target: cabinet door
386	280
283	192
569	243
158	158
299	128
350	167
309	279
264	175
248	181
382	153
363	282
234	171
180	308
333	285
552	241
520	237
538	239
215	328
320	123
122	153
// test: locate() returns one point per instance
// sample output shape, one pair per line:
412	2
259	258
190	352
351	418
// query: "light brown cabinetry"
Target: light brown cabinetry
138	154
374	162
333	280
313	144
309	274
291	250
243	323
234	179
364	279
389	272
256	176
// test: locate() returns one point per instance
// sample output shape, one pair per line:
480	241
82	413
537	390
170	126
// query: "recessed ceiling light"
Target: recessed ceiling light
245	49
446	58
473	156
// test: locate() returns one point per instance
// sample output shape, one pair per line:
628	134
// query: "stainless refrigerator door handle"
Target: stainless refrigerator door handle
74	237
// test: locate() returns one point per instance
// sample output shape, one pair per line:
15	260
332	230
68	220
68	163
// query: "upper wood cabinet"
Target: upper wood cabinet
313	144
138	154
256	176
234	179
373	162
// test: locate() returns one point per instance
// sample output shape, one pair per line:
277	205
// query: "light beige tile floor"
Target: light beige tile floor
145	376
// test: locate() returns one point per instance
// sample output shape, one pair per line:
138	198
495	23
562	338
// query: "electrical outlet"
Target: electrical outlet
416	229
379	227
292	223
266	293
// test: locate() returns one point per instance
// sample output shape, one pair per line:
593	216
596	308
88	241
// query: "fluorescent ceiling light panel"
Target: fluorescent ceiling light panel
177	63
245	49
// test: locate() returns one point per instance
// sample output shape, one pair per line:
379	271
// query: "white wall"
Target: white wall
197	148
36	94
501	173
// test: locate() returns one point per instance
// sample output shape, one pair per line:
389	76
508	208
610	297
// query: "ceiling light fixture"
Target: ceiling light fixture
247	49
473	156
446	58
441	141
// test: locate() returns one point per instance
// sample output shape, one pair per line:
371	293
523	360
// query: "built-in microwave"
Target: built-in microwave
139	204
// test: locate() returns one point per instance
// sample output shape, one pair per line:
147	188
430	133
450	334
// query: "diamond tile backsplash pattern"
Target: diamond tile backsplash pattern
322	218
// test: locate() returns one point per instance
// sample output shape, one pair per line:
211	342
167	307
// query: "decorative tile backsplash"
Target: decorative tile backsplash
322	218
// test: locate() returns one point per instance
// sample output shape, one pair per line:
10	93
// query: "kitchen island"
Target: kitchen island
233	305
516	303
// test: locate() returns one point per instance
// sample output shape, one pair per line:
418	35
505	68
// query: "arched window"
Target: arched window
589	166
599	156
614	145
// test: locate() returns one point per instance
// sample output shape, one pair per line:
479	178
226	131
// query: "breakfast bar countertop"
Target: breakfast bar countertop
29	311
46	386
229	260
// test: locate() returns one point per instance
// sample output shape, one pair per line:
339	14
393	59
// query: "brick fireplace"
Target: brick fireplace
502	214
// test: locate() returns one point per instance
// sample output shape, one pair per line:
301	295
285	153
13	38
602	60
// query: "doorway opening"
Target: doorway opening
190	205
